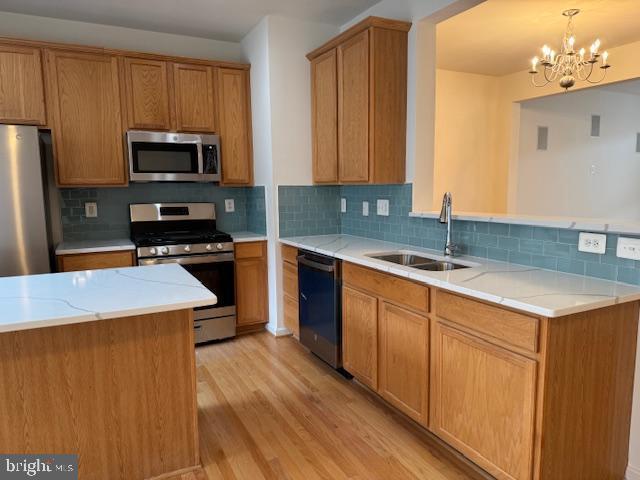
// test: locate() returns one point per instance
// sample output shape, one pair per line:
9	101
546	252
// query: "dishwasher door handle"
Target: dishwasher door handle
318	266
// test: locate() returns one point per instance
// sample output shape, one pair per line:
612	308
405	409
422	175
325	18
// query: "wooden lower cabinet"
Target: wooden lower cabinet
95	261
524	397
360	336
484	402
404	360
291	302
252	302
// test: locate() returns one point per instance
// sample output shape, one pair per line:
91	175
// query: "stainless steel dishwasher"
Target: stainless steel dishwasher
320	291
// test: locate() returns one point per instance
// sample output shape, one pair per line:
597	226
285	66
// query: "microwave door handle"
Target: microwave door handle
200	159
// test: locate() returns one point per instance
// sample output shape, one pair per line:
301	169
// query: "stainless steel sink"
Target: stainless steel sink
406	259
417	261
440	266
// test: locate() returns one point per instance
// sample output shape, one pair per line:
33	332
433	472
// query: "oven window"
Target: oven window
164	157
217	277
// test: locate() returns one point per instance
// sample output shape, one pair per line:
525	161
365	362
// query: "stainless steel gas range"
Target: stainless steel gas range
185	233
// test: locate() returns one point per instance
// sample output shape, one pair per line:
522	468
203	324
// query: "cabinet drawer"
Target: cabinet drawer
94	261
387	286
250	250
513	328
290	280
290	254
291	316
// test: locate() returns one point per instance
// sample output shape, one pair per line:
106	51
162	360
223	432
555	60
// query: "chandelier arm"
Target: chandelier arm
533	81
585	77
604	74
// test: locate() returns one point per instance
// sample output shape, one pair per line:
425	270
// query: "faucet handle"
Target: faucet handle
451	249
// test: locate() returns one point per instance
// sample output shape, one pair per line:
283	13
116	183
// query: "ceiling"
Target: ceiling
499	37
216	19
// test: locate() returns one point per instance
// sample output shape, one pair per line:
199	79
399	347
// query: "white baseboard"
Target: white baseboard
633	472
278	332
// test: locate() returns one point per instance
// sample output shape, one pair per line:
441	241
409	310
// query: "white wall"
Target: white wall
281	109
579	175
68	31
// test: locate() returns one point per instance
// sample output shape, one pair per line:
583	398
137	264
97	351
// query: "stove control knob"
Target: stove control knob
219	246
209	247
164	250
153	251
187	248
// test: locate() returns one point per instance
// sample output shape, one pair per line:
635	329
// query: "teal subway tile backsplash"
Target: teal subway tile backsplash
113	207
315	210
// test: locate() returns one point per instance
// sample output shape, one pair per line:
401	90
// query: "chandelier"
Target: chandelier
569	65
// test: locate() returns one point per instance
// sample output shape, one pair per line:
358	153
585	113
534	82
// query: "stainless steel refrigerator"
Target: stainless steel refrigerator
24	237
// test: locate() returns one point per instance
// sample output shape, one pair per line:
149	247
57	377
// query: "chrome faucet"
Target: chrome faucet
445	217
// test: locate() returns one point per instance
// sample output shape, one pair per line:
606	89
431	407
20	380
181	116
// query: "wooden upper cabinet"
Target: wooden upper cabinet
147	94
483	399
234	107
360	336
194	98
324	111
353	109
87	125
366	107
404	360
21	85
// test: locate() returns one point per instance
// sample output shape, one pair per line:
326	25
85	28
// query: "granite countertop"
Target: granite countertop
240	237
94	246
36	301
529	289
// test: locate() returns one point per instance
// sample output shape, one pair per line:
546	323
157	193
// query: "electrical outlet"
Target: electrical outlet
628	248
229	205
91	209
383	208
592	242
365	209
343	205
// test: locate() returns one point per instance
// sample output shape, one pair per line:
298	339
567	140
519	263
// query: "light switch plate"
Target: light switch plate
229	205
91	209
365	209
383	207
343	205
628	248
592	242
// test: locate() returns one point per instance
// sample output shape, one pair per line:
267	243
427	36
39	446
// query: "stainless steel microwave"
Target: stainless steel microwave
173	157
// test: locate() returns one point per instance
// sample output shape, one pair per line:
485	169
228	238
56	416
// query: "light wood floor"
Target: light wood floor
270	410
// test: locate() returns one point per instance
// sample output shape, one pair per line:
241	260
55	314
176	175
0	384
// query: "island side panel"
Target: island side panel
587	394
121	393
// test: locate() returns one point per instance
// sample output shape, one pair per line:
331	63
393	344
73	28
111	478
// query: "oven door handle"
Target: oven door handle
188	260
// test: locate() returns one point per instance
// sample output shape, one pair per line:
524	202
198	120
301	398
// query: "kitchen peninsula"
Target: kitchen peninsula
101	363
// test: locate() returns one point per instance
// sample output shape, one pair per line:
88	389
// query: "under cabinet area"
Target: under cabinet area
359	104
493	382
252	310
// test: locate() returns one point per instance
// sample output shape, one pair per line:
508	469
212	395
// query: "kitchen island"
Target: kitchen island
101	364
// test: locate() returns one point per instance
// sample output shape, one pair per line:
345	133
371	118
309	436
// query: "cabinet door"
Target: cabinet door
324	117
353	109
360	336
404	353
95	261
235	126
194	98
147	94
251	288
484	399
21	86
87	125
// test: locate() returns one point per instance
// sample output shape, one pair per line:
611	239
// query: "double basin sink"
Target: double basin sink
417	261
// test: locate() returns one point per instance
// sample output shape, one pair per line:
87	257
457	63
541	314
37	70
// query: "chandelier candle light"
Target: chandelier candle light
568	65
